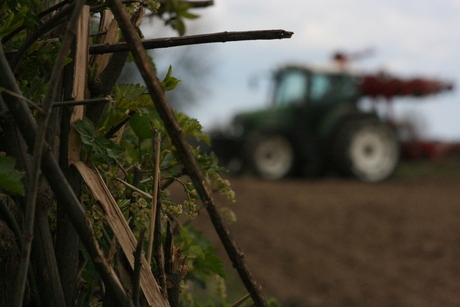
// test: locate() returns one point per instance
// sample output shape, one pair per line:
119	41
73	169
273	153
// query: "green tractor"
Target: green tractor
314	125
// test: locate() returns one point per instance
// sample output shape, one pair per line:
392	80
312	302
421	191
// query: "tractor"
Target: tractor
314	124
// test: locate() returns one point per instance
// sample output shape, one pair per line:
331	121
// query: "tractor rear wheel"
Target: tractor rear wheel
270	155
367	149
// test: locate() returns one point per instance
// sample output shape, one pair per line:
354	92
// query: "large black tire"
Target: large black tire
367	149
270	155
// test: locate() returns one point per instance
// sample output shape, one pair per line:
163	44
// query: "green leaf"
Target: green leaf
141	126
13	21
86	130
192	127
132	97
10	178
102	148
129	91
169	83
200	252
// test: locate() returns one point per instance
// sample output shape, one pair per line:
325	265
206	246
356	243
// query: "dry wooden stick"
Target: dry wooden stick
175	132
220	37
79	86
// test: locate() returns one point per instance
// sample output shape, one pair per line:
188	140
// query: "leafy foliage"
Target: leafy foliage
178	11
98	147
127	157
18	13
13	21
10	178
131	103
200	253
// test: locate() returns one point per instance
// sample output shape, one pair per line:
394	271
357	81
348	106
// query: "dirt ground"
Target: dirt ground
339	242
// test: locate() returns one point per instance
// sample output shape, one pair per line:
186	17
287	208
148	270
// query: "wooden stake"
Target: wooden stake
79	85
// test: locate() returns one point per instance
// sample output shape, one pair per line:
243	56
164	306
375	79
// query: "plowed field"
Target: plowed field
341	242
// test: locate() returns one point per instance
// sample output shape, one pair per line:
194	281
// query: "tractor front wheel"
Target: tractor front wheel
367	149
271	156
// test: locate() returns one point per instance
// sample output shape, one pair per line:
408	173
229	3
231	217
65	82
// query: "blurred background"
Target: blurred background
408	38
335	241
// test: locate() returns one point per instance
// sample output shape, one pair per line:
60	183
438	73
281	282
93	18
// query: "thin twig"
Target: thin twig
168	259
155	183
178	139
32	104
120	167
137	268
241	300
5	212
145	194
109	134
72	103
98	33
193	4
158	254
168	42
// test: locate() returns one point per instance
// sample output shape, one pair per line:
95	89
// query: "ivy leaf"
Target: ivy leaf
10	178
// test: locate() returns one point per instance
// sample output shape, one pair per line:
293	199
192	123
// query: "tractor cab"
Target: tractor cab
298	86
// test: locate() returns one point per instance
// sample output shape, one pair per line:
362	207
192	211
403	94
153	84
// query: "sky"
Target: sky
408	38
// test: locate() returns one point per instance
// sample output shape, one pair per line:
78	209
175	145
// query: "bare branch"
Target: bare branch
155	183
194	4
134	188
137	268
168	42
71	103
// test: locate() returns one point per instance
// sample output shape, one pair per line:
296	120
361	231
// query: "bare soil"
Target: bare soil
341	242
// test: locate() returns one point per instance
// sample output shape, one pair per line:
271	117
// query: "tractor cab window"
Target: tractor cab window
331	87
291	88
320	87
